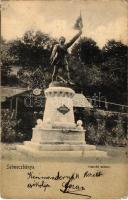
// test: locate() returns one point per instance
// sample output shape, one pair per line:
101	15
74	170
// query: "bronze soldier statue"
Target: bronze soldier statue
59	56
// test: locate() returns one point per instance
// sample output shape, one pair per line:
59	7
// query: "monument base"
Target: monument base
58	132
58	136
38	150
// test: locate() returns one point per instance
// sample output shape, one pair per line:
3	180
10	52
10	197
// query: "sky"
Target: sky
102	19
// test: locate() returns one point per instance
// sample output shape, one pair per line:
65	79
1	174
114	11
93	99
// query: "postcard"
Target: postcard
64	99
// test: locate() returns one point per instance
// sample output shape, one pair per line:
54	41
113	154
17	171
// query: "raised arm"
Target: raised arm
73	39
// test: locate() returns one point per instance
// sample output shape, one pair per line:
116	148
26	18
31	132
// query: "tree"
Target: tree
87	51
85	77
85	65
33	49
114	68
6	61
115	54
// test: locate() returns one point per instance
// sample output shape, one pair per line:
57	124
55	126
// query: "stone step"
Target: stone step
60	147
84	153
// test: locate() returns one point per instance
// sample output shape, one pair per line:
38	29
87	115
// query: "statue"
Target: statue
59	56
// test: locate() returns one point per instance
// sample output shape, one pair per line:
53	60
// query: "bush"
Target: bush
9	127
105	129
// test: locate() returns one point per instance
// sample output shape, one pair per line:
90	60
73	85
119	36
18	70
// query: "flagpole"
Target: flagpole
78	26
80	35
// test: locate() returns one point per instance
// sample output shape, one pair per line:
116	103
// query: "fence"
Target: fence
107	105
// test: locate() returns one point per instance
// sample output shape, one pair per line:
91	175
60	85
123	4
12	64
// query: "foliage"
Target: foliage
84	76
33	49
6	58
114	70
107	129
87	51
103	70
9	127
6	61
92	69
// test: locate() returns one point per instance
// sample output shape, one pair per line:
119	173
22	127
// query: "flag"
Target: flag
79	23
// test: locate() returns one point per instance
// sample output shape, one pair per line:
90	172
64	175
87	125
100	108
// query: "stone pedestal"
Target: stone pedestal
58	125
58	130
59	108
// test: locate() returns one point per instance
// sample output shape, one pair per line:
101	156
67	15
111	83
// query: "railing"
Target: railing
107	105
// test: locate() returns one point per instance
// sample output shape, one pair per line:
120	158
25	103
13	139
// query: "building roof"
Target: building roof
7	92
79	100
